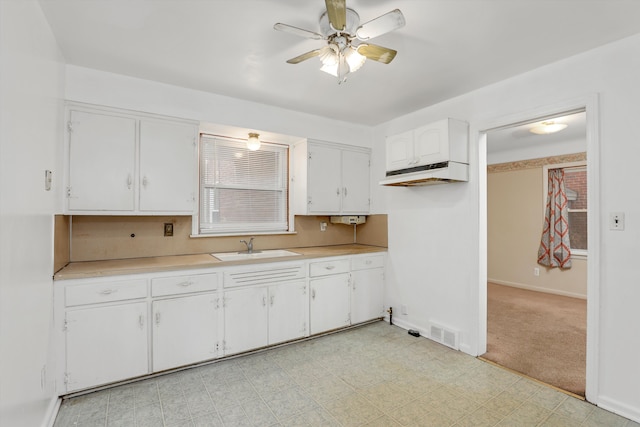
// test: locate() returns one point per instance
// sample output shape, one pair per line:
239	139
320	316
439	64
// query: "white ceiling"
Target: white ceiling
229	47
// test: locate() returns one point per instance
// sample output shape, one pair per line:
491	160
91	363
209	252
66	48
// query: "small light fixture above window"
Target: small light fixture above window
547	127
253	143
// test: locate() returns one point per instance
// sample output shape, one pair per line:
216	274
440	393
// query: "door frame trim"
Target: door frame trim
590	104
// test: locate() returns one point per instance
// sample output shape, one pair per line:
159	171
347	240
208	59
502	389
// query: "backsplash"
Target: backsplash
95	238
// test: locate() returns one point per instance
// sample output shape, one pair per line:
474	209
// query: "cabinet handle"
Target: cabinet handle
330	267
271	301
145	181
344	191
338	191
313	294
264	301
185	283
108	291
141	321
129	181
157	318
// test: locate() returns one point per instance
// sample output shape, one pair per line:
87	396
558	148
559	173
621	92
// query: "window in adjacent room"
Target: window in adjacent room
575	181
242	191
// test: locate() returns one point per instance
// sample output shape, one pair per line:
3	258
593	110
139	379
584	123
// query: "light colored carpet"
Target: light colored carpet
538	334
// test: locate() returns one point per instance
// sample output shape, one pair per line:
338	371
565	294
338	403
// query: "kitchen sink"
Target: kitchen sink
239	256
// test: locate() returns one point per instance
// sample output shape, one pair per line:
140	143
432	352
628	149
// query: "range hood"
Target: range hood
438	173
436	153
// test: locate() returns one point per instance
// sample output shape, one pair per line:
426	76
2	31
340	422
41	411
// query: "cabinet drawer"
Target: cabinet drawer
95	293
325	268
362	263
184	284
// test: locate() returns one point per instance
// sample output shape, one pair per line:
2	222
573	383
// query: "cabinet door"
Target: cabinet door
287	311
185	330
324	183
399	151
431	143
101	162
329	307
367	287
355	182
245	319
167	166
105	344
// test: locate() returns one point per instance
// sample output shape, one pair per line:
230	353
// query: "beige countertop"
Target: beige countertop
87	269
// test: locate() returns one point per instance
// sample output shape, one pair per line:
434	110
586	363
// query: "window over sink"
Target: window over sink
242	191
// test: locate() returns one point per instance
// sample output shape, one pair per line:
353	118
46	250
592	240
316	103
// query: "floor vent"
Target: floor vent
444	336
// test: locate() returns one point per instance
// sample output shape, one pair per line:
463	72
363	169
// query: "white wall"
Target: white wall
32	86
434	231
103	88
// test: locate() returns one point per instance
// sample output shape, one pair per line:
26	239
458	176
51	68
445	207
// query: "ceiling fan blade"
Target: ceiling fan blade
304	57
298	31
337	11
377	53
381	25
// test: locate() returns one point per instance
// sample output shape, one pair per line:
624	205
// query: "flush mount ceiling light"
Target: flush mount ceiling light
547	127
253	143
348	45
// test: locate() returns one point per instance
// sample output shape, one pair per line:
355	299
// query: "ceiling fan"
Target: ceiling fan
347	42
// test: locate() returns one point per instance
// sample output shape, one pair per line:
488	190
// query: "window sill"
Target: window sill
582	255
270	233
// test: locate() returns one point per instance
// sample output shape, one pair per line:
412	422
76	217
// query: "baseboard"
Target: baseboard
537	289
408	325
618	408
52	412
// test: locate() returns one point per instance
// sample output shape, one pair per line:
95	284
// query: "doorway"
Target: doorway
589	145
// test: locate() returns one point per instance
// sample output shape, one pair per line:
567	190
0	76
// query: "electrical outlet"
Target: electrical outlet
536	271
168	229
323	226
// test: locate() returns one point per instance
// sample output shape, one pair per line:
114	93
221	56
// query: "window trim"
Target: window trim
195	219
581	164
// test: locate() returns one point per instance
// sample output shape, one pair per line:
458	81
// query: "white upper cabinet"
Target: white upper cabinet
167	166
123	163
102	149
429	144
331	179
355	182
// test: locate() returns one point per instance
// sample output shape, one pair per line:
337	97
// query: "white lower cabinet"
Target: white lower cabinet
116	328
258	316
245	319
329	307
105	344
185	330
287	311
367	287
367	294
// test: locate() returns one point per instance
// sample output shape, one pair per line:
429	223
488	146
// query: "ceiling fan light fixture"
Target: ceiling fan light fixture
329	55
547	127
253	143
354	59
330	69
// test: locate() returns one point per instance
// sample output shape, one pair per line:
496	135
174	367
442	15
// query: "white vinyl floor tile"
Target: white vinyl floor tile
374	375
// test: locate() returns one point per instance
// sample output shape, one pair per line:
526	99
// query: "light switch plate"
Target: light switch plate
616	221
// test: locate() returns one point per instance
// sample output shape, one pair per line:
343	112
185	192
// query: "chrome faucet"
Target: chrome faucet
249	245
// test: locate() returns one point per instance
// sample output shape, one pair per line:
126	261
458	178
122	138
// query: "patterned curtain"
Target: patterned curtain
554	248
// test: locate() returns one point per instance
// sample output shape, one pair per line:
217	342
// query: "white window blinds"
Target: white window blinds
242	191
